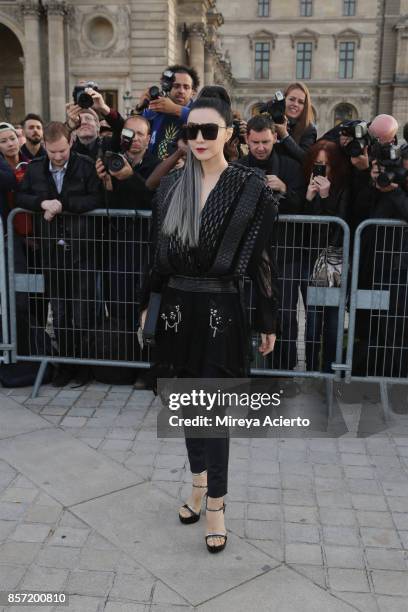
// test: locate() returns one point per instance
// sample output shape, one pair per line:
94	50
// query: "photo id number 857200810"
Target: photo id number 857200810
29	598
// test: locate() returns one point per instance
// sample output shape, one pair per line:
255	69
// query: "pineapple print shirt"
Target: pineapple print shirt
165	130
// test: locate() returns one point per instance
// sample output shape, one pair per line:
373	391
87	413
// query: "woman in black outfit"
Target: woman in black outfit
213	225
329	196
298	133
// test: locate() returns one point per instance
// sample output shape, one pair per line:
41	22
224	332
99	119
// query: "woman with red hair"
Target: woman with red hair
327	173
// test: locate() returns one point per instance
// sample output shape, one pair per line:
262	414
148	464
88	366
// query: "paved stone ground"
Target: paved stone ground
89	495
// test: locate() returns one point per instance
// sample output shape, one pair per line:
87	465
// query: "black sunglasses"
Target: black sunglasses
209	131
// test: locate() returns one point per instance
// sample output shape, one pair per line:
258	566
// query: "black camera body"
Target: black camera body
114	161
83	99
236	124
361	138
389	158
276	108
155	92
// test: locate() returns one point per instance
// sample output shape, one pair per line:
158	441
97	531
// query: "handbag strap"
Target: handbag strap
242	214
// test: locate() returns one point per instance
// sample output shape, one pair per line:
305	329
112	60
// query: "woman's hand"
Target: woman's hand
323	185
312	189
282	129
143	318
267	344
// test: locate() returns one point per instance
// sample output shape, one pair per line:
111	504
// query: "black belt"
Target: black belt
202	285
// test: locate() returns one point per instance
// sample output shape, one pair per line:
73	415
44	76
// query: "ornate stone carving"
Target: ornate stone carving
30	7
348	34
305	34
56	7
198	29
81	46
262	36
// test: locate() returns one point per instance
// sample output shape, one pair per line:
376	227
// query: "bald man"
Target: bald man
385	128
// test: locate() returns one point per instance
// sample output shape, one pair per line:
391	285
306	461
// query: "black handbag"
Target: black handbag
152	317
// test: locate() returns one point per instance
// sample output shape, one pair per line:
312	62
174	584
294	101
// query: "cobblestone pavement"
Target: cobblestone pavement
315	525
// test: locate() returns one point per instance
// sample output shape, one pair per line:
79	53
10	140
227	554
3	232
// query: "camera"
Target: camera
389	159
83	99
114	162
236	124
276	108
155	92
360	135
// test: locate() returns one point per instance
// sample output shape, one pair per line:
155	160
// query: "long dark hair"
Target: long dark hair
306	118
339	166
183	214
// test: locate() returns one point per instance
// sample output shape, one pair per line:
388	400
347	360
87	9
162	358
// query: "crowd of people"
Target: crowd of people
93	267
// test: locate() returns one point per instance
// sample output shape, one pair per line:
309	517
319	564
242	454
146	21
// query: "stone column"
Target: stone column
32	57
209	68
402	50
56	12
197	51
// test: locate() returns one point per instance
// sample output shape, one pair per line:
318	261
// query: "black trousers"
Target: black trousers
211	454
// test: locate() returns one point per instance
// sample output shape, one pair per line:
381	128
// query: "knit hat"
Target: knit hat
4	127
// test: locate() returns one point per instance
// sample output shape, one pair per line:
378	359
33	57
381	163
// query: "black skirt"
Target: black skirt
197	330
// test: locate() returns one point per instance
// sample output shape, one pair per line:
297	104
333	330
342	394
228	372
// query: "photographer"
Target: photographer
285	177
296	130
382	335
282	174
168	113
126	186
84	123
127	246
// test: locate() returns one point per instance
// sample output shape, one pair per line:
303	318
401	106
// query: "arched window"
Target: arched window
344	112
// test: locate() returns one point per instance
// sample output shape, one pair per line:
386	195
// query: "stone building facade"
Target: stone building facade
47	46
352	54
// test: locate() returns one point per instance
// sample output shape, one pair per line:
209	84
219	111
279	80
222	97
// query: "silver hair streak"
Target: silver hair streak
183	214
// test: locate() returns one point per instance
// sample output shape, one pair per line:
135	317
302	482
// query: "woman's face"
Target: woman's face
295	103
9	143
322	158
202	148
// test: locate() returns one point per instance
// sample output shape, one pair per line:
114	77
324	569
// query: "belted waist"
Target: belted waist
202	285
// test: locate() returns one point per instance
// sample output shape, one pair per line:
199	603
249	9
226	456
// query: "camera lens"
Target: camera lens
116	163
154	92
384	180
85	100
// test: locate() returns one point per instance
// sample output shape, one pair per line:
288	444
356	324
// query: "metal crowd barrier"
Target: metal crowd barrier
80	278
5	346
377	347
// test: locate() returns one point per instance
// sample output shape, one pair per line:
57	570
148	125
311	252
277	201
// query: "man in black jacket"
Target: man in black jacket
285	177
64	182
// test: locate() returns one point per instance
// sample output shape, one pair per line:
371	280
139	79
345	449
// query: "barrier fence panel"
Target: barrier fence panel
311	318
74	291
74	287
5	345
378	326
